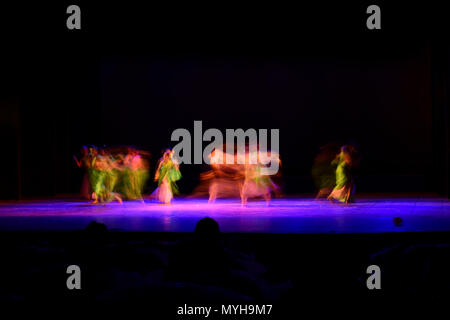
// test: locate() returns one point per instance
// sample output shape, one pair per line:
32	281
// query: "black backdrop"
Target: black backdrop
134	74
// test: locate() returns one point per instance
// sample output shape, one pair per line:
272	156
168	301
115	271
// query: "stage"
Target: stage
284	215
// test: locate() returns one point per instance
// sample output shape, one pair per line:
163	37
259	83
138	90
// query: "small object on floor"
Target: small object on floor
398	221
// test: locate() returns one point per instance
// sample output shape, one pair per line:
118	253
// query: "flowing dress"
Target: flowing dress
344	188
168	175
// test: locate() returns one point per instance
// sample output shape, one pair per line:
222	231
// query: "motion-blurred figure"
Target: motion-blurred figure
225	180
94	174
238	178
324	171
115	173
167	173
344	188
112	174
135	175
104	178
257	184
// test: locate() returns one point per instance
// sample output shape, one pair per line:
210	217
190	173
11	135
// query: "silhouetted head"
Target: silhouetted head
208	228
96	227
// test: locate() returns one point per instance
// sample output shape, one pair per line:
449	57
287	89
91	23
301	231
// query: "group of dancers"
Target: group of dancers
122	173
241	178
113	174
118	174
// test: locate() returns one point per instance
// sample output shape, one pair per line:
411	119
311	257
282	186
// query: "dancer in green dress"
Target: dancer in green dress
135	175
112	174
257	184
93	173
167	174
324	170
344	188
102	177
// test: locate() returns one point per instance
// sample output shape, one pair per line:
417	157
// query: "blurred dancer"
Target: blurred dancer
225	179
112	174
100	166
238	178
344	188
127	175
167	173
323	171
139	167
257	184
94	174
102	177
135	175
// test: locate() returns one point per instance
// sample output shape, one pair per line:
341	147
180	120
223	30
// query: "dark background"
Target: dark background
133	74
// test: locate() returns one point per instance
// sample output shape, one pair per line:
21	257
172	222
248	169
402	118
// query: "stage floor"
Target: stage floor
290	215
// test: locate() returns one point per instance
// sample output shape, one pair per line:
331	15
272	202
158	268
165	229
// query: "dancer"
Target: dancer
100	165
102	177
94	174
257	184
167	174
139	168
324	170
135	175
225	180
112	174
344	188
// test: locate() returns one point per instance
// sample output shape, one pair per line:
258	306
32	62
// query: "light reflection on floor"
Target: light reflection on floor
294	215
